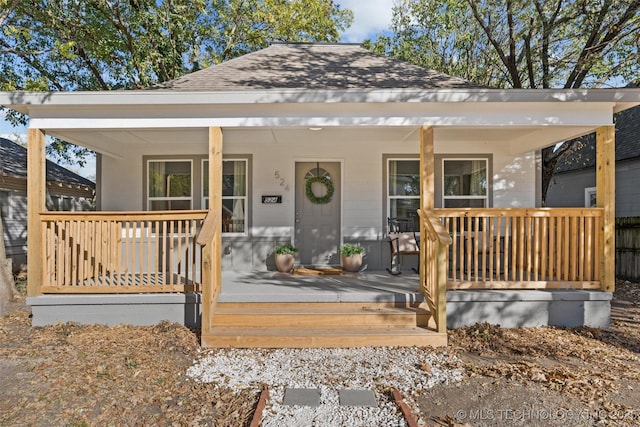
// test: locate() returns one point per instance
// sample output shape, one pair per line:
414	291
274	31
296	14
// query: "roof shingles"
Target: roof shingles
627	143
13	162
313	66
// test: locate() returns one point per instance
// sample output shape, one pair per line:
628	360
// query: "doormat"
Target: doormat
318	271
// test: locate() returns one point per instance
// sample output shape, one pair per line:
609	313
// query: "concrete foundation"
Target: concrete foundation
507	308
137	309
529	308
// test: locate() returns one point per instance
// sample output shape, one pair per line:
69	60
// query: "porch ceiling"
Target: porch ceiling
115	142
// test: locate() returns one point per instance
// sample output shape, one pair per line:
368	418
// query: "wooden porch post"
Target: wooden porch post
36	203
606	199
212	251
427	203
427	186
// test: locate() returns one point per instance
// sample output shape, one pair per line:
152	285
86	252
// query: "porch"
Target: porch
267	309
515	267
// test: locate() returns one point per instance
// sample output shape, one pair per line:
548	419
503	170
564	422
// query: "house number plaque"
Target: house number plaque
270	200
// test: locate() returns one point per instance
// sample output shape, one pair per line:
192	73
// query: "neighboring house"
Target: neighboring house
66	191
574	183
317	145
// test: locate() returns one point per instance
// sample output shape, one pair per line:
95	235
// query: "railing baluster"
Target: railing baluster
171	247
165	253
536	249
588	261
108	251
179	254
533	247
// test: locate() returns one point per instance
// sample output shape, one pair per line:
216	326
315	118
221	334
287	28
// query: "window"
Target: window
5	205
590	197
169	185
403	187
464	183
234	193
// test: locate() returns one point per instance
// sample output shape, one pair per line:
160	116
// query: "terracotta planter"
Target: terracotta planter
352	263
285	262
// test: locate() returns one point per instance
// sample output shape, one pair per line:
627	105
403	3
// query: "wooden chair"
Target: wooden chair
403	240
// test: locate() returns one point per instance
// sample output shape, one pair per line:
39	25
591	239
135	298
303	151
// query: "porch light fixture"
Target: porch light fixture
315	129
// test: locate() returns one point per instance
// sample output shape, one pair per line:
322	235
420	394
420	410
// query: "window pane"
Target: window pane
234	178
464	203
168	205
233	215
169	179
403	208
465	178
234	192
404	178
5	210
205	179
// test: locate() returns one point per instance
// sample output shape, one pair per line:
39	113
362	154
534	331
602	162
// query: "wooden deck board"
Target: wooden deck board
318	316
334	337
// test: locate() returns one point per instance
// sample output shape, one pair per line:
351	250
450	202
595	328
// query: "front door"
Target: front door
317	216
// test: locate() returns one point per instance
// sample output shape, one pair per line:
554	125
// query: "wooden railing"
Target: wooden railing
121	252
433	266
523	248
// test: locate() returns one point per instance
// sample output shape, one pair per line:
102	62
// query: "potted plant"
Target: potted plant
285	257
351	256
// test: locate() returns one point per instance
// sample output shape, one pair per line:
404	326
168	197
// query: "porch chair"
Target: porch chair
404	240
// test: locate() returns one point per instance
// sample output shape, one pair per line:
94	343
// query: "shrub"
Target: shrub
285	249
349	249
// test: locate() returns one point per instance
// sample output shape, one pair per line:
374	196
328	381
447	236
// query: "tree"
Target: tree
7	285
69	45
521	44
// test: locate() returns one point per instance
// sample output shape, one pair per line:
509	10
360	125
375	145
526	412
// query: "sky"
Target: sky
371	17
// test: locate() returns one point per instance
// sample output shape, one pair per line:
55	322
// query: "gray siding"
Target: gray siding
14	220
568	188
628	188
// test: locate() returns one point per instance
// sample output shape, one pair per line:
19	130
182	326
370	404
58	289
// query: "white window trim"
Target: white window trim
153	199
205	198
388	195
470	197
588	191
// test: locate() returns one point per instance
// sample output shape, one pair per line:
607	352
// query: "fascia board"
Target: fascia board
23	101
287	115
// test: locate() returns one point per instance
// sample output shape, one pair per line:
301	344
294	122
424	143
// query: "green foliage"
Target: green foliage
286	249
329	190
69	45
521	44
517	43
349	249
237	27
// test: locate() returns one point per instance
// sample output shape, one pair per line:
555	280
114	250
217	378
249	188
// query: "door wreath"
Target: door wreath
310	194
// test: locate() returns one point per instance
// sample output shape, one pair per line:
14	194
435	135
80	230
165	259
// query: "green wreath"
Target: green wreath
324	181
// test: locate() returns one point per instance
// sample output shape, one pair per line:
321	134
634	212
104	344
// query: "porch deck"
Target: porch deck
270	309
275	287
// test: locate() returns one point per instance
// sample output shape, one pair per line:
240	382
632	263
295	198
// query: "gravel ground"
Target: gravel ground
92	375
410	370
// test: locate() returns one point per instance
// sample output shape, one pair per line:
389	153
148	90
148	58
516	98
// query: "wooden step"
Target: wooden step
289	337
303	325
317	316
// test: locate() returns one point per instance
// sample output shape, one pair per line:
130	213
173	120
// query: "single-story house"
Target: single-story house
200	178
65	191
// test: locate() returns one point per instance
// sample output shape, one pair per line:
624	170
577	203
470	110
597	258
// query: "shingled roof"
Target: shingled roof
627	143
313	66
13	162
